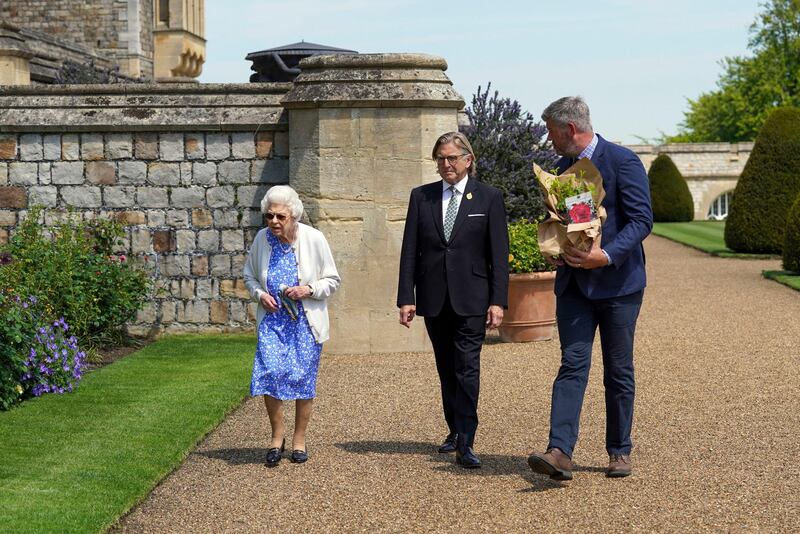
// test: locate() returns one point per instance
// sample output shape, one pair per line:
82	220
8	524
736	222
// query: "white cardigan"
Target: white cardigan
315	268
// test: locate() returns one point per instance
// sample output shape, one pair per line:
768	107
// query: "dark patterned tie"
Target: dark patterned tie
450	214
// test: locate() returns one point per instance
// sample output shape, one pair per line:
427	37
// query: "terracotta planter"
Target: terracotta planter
531	313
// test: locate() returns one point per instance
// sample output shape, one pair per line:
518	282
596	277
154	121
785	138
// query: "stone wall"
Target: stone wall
183	168
710	169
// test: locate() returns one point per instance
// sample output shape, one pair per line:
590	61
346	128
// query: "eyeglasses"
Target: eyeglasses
450	159
281	216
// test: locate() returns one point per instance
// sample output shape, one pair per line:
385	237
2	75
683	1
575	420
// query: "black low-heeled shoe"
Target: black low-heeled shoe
298	456
274	454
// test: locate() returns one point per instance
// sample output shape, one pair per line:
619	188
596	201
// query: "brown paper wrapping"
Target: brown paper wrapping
554	234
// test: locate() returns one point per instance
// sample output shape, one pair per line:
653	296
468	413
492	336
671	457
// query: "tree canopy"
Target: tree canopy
750	87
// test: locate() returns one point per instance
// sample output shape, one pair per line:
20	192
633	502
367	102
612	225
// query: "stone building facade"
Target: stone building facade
711	170
161	40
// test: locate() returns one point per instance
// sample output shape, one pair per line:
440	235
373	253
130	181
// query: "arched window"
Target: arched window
718	211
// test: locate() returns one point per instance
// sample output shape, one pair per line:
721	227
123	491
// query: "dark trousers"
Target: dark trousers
457	342
578	318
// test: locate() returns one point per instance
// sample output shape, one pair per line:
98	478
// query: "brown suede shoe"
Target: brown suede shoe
554	463
619	465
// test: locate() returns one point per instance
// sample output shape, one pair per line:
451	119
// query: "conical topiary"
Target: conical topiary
791	240
671	199
767	187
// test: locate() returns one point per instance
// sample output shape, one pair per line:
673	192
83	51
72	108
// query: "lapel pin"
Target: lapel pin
469	196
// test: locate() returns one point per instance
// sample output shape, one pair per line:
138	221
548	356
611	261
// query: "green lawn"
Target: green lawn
784	277
77	462
707	236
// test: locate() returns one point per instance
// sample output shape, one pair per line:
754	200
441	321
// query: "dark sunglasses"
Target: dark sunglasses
281	217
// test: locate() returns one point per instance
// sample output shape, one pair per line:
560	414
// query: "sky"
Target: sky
635	62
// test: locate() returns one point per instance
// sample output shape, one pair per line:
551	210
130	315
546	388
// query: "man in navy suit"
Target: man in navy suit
454	273
601	288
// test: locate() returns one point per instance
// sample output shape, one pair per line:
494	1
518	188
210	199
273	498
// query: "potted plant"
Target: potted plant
531	314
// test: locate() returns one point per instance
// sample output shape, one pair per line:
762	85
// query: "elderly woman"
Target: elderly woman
290	273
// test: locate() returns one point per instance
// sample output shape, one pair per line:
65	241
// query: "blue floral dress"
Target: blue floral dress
287	355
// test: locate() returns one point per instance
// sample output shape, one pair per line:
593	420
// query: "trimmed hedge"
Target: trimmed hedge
791	243
669	193
767	187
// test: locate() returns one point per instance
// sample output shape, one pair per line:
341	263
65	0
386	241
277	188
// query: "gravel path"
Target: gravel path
715	432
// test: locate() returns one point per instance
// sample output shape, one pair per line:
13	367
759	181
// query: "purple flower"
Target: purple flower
25	305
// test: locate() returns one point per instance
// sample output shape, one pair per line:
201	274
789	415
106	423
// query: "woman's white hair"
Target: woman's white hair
285	196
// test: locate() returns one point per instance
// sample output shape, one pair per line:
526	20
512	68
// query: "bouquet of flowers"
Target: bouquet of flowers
573	200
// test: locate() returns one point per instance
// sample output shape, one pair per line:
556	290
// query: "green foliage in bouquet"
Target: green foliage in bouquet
669	193
568	187
523	247
74	272
791	243
767	187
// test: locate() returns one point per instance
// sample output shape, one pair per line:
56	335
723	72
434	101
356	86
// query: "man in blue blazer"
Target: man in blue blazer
601	288
454	272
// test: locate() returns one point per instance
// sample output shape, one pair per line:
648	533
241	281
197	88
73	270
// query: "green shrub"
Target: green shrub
74	272
791	242
17	328
524	255
767	187
669	193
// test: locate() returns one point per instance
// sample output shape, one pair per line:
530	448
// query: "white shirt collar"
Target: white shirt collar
460	186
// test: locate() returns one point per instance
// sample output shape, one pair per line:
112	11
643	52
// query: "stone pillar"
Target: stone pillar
361	129
14	56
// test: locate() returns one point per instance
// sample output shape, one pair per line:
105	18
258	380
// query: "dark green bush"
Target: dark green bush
767	187
74	272
669	193
17	328
791	242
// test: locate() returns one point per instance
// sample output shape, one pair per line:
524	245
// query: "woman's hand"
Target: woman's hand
298	292
268	302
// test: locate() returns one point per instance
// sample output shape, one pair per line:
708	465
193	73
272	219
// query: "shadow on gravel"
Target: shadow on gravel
492	464
388	447
237	456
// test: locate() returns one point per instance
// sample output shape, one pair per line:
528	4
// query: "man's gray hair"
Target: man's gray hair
283	195
569	109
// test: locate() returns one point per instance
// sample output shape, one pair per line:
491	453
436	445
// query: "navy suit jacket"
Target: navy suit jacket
472	267
629	220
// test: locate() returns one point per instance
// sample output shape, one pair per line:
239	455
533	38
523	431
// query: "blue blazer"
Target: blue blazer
629	220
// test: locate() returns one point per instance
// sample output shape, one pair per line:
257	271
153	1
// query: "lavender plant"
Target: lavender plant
507	142
36	357
55	363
